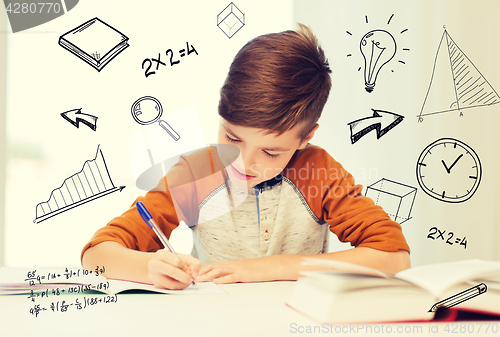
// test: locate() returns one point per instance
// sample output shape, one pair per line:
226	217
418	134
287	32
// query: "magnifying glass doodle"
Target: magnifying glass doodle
147	110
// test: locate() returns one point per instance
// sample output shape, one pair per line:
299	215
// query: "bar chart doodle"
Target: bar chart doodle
91	182
458	87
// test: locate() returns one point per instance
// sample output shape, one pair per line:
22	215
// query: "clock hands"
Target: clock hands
455	162
448	169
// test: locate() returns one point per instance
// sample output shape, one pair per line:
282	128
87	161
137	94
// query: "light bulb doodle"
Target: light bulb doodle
378	47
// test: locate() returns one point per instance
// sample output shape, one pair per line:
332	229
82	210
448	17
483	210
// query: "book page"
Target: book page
436	278
491	284
341	281
344	267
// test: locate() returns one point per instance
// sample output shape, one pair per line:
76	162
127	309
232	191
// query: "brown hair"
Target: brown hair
277	81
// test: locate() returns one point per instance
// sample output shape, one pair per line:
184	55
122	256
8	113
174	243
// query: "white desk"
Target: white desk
251	309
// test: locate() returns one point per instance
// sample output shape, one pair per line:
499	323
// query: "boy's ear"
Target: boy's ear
306	140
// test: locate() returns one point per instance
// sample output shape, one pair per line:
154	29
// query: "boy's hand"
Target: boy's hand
171	271
252	270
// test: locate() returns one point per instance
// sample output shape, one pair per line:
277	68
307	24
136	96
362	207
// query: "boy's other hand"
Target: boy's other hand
252	270
170	271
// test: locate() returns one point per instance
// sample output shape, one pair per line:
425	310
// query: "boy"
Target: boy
285	194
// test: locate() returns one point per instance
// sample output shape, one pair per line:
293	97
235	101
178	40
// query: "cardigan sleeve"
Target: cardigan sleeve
351	216
176	198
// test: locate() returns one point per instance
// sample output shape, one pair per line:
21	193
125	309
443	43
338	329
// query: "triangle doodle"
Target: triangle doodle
456	83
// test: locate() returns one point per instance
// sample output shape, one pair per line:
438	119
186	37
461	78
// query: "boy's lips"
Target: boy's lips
240	175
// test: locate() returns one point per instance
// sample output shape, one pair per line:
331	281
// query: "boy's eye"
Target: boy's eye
232	140
270	155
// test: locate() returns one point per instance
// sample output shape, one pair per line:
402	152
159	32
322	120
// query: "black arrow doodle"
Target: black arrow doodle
76	116
362	126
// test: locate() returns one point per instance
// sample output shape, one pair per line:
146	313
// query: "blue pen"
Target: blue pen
148	219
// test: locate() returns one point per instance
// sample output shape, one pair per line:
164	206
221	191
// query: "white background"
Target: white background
44	80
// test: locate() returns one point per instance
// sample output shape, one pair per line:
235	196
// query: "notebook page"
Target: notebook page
344	266
204	288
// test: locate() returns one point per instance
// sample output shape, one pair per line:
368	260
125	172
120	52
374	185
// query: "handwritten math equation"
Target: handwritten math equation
33	277
71	289
79	304
448	238
38	281
152	65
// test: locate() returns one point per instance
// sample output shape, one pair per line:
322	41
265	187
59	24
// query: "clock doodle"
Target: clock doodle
449	170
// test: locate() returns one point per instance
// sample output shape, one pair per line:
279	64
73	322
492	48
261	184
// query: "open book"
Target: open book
67	280
353	293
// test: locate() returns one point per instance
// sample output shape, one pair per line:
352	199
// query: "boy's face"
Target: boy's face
262	156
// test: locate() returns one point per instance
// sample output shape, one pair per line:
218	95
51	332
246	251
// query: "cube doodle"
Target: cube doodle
395	198
231	20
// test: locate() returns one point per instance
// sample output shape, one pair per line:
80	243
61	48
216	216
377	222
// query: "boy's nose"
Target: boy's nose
248	159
